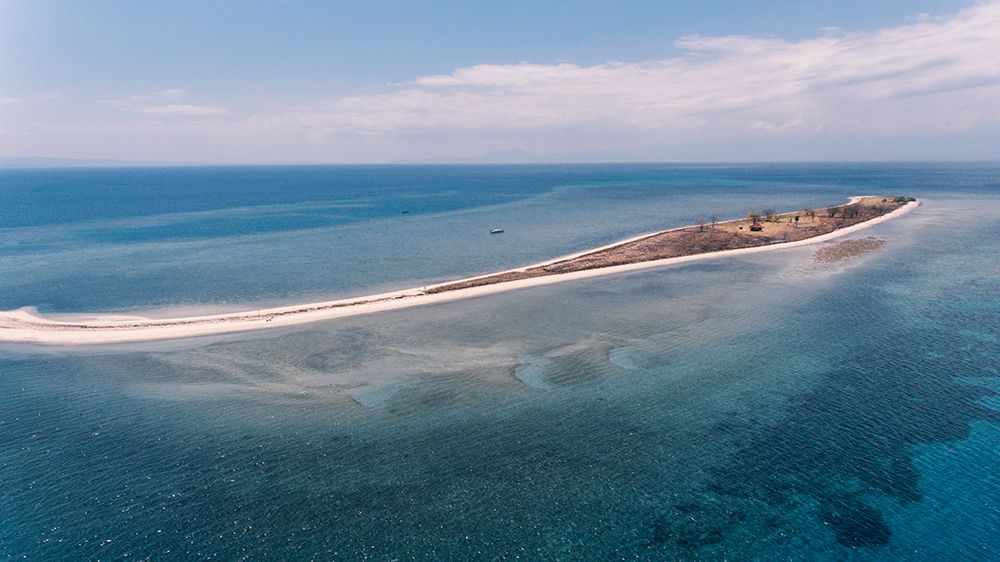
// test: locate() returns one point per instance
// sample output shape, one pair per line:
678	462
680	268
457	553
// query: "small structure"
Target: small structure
756	228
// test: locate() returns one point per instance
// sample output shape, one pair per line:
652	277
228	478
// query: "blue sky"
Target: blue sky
390	81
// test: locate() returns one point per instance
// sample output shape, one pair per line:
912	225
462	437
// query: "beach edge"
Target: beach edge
24	325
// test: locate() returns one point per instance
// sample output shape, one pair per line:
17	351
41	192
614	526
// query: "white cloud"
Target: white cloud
172	93
182	110
168	93
934	73
7	100
136	104
928	88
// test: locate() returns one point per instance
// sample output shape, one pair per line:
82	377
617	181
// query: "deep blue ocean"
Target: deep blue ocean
762	407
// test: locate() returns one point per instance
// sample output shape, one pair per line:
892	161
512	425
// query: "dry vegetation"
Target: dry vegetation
769	228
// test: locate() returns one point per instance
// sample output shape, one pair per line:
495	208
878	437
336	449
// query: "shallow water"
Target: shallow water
752	408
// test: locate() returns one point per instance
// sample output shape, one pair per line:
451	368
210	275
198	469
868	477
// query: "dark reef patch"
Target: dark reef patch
854	432
855	523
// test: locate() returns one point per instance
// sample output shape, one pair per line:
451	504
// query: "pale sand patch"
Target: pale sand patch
26	326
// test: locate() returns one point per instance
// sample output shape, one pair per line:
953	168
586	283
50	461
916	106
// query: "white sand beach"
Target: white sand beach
26	326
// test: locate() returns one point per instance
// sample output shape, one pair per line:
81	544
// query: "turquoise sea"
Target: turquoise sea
754	408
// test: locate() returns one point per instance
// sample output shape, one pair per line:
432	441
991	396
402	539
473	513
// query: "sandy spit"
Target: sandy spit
26	326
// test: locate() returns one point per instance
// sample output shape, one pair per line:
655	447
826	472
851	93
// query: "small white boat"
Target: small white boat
496	231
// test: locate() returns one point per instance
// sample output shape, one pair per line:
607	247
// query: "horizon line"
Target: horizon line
43	163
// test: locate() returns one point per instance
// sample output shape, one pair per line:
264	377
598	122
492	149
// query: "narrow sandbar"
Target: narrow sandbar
641	252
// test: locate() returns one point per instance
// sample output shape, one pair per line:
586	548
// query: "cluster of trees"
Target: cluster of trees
711	220
847	211
768	215
851	211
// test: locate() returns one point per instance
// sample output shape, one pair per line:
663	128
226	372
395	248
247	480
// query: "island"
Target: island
711	238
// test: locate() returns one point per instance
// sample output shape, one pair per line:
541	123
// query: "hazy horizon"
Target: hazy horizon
42	163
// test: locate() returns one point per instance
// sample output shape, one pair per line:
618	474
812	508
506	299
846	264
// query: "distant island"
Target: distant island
759	230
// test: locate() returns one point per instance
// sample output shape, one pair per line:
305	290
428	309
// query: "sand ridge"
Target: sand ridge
26	326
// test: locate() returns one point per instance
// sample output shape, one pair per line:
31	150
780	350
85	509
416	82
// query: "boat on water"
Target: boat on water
496	231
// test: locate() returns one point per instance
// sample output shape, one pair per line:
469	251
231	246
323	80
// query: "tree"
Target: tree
714	219
701	225
754	217
770	215
796	220
809	212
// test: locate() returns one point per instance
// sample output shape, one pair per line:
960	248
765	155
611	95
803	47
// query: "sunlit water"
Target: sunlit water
753	408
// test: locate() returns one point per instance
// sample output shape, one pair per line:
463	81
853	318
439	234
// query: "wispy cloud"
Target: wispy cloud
931	73
894	92
182	110
29	100
165	94
162	99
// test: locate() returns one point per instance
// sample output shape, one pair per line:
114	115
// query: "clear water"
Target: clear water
759	408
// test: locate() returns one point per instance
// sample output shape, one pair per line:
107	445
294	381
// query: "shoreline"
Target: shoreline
25	326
